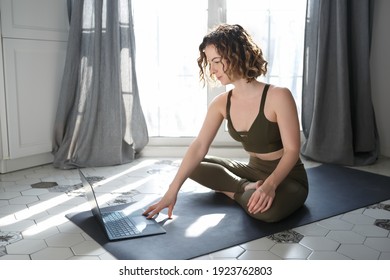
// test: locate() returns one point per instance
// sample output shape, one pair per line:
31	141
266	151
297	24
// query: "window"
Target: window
168	34
167	37
278	27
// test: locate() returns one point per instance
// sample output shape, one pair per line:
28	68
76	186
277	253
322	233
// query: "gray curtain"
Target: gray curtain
337	113
99	119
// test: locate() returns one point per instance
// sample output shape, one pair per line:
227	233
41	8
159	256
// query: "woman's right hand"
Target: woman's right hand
167	201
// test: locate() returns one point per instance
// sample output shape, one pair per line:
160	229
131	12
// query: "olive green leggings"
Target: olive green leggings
227	175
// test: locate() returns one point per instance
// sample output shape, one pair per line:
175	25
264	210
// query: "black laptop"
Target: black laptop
117	224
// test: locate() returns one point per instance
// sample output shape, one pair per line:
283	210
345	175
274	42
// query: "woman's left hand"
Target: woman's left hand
261	200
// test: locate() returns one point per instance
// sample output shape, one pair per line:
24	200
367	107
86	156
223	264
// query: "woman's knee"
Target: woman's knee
269	216
284	204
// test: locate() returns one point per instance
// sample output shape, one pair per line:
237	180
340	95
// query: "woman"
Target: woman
273	184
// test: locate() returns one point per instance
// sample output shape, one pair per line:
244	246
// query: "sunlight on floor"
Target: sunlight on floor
203	223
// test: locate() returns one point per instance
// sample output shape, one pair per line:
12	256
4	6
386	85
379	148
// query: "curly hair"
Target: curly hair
243	57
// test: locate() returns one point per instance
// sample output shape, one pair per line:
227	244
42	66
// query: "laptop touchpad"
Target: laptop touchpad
141	222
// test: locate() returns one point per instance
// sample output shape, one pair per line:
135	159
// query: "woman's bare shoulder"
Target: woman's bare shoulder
278	94
222	97
220	100
274	89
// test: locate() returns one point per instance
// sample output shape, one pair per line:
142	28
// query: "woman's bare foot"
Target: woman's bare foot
253	185
229	194
250	186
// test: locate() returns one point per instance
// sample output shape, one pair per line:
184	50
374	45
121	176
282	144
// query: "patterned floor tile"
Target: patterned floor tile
288	236
9	237
383	223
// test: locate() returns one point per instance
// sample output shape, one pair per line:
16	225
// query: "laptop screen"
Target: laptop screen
91	197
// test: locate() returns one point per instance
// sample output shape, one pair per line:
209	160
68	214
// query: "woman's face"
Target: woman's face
217	65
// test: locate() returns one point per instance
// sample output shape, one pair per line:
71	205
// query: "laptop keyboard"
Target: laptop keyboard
119	225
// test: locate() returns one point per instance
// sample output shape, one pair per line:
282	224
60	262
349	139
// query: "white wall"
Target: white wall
380	78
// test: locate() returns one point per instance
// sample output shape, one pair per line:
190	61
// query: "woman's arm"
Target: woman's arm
284	110
194	155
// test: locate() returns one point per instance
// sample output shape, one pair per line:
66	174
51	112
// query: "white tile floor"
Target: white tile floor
33	204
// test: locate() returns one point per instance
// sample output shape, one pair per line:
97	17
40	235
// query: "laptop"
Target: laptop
117	224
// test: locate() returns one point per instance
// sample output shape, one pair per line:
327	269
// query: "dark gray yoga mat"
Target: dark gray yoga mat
333	190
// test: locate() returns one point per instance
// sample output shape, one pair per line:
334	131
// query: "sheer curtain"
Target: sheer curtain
337	113
99	119
278	27
168	34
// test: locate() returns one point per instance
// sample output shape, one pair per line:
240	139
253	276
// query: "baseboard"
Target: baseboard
9	165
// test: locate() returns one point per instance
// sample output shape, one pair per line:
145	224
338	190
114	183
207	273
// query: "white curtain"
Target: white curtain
99	119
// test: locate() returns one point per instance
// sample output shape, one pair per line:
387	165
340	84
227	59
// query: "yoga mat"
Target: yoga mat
209	222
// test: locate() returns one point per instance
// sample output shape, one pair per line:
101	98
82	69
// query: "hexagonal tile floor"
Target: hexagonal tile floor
34	202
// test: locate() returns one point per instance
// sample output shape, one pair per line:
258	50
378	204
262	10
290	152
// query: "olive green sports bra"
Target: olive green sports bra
263	136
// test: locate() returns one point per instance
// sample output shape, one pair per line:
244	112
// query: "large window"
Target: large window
168	34
167	37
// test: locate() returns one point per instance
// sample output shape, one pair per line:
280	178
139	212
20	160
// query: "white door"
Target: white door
34	35
34	19
33	73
